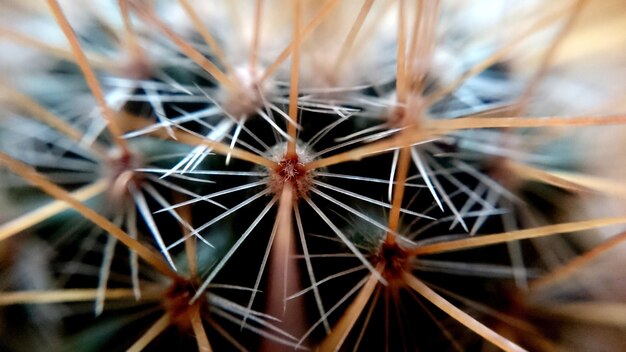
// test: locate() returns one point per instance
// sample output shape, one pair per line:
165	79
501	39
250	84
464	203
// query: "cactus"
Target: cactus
304	175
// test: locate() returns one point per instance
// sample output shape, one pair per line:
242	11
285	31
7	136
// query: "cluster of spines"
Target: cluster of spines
289	177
